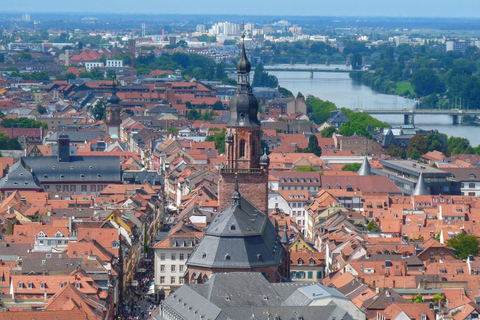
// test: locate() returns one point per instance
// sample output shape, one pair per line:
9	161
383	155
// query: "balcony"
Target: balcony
241	171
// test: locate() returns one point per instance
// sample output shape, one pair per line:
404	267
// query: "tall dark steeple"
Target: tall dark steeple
243	105
113	119
243	155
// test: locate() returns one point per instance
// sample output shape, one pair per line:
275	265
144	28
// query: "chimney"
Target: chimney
45	295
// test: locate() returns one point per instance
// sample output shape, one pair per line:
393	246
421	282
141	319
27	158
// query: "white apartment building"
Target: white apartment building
171	255
91	65
114	63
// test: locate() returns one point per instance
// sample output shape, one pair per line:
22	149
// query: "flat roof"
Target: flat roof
413	167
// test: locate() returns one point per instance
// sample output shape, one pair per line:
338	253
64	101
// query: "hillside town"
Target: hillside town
169	194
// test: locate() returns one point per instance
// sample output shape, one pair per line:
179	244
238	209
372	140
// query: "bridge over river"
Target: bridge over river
409	114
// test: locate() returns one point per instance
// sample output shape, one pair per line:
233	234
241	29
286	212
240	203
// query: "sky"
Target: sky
391	8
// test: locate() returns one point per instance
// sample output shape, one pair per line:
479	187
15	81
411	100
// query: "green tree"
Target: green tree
426	81
220	71
465	245
313	146
100	111
418	144
300	95
41	109
372	226
219	139
328	132
351	167
285	92
357	61
437	298
418	299
396	152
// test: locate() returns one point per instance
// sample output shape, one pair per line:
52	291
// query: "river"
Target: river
338	88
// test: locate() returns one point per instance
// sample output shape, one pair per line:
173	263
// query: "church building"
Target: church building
241	238
243	146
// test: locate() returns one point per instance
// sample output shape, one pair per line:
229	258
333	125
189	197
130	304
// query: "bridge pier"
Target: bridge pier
457	119
408	118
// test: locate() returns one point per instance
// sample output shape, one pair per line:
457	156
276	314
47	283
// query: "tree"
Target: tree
418	299
100	111
372	226
313	146
328	132
41	109
300	95
426	81
219	139
357	61
351	167
220	71
418	144
218	106
465	245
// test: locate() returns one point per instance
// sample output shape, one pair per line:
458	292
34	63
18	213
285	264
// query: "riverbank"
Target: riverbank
345	93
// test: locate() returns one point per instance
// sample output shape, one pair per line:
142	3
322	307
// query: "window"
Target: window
162	256
319	274
62	285
172	280
65	188
310	274
93	188
42	285
162	268
180	280
172	268
181	256
77	285
73	188
20	285
471	185
162	280
173	256
84	188
242	148
180	268
432	254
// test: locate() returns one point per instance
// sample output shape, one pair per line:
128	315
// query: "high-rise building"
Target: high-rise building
200	28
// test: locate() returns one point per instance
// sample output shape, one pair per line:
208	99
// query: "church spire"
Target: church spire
243	105
236	194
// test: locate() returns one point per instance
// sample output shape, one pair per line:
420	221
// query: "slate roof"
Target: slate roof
241	236
77	136
248	295
78	169
19	178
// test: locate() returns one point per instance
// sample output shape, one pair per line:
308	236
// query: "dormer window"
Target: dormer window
232	227
42	285
41	234
20	285
472	176
300	262
338	186
327	186
29	286
115	244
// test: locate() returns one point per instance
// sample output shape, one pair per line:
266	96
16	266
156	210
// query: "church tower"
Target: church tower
243	154
113	120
